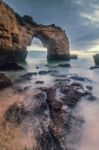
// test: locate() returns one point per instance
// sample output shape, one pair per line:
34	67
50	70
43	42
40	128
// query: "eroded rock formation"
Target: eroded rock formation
16	33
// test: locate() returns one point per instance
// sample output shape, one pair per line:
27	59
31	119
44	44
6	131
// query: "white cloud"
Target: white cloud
92	17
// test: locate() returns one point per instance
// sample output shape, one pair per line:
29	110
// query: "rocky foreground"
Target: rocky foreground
40	117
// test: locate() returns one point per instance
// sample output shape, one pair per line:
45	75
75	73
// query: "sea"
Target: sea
36	61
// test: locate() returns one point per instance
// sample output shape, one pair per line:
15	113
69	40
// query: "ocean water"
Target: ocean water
88	110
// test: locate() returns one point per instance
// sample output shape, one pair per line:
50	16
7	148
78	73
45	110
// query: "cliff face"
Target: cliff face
16	33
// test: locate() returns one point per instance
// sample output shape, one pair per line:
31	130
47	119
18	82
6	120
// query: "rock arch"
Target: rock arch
16	33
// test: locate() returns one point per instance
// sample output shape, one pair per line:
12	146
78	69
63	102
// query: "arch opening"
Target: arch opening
36	45
36	50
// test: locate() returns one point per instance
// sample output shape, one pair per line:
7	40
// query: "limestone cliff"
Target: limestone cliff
16	33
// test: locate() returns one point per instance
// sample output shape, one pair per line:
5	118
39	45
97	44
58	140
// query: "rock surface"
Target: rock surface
16	33
4	81
10	67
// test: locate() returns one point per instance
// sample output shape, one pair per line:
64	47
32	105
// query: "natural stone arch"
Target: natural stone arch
16	33
54	39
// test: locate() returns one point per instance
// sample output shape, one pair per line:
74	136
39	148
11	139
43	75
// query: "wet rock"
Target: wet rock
16	114
64	65
10	67
46	65
71	95
37	67
43	72
4	81
91	98
89	87
20	89
45	141
28	76
39	82
73	56
40	105
94	67
76	77
75	84
96	59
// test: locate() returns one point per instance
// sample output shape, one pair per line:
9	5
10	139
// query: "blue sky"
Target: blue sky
79	18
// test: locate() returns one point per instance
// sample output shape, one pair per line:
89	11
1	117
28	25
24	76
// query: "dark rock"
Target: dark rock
64	65
89	87
39	82
76	77
74	56
94	67
12	56
37	67
43	72
10	67
46	65
92	98
40	105
16	114
96	59
28	76
4	81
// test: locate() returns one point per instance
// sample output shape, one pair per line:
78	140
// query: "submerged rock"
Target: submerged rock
94	67
39	82
10	67
4	81
73	56
79	78
43	72
28	76
64	65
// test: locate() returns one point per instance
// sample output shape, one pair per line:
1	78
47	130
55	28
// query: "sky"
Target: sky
79	19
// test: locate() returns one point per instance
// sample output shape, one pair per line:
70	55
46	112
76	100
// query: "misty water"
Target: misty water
82	137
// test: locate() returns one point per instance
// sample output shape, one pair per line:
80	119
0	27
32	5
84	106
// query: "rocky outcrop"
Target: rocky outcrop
96	59
16	33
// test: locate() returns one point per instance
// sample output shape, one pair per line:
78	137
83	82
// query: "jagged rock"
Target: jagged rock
10	67
16	33
4	81
96	59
